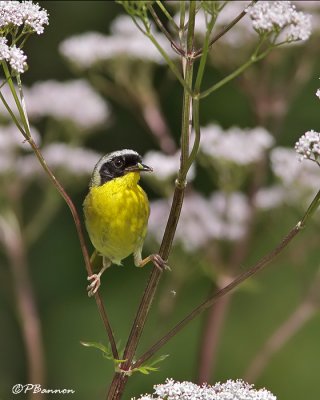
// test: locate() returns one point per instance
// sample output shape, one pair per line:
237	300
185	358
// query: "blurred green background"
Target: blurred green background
57	270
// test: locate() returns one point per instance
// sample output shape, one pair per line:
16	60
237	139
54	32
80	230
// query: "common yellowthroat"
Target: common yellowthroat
116	212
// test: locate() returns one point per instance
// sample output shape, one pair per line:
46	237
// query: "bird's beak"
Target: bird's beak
139	168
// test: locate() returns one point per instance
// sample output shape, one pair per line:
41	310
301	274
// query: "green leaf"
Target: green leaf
106	352
147	368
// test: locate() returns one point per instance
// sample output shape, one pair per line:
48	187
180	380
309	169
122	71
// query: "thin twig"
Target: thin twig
198	53
157	20
27	135
212	299
84	250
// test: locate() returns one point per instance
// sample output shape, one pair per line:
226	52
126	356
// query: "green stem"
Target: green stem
315	204
182	18
187	98
170	63
196	144
204	56
253	59
168	15
13	117
199	52
164	30
24	121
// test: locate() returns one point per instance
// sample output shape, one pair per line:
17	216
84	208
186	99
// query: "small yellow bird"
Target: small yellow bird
116	212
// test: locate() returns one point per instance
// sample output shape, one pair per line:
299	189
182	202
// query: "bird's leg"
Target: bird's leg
95	278
154	258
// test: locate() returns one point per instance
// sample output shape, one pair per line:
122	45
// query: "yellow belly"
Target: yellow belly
116	217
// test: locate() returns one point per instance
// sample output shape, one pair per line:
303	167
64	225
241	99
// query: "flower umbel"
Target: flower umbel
17	20
280	17
309	146
28	16
231	390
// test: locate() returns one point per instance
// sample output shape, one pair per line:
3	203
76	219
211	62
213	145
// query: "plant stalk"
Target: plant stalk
27	135
120	378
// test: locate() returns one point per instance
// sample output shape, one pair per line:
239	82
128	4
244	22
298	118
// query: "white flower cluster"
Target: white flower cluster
280	16
300	180
74	101
125	42
28	17
76	161
165	166
13	55
236	145
309	146
230	390
221	217
16	14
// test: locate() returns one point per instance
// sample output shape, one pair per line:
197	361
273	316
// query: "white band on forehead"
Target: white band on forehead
118	153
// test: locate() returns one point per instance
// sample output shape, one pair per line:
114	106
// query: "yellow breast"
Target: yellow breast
116	216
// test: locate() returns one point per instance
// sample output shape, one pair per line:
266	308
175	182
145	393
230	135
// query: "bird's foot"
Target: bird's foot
157	261
93	287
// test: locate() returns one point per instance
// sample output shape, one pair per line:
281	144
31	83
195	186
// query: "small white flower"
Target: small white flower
230	390
299	28
14	55
34	16
280	16
236	145
318	93
270	197
76	161
14	13
75	101
165	166
232	212
221	217
4	49
127	42
308	146
17	59
300	180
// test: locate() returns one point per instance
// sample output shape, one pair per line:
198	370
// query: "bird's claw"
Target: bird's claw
93	287
159	262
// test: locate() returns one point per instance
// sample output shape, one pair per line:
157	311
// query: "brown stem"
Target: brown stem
157	20
26	306
84	250
120	379
212	299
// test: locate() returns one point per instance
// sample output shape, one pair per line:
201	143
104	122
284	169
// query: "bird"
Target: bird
116	212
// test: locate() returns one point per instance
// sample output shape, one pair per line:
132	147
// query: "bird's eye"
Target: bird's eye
118	163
